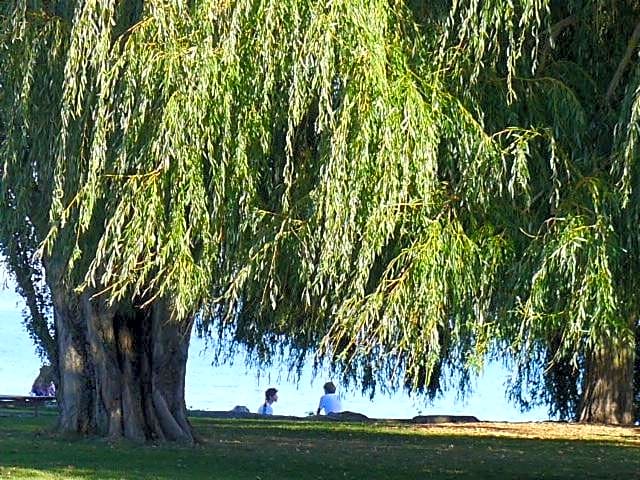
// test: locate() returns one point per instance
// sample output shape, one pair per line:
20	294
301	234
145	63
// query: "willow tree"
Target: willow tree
401	190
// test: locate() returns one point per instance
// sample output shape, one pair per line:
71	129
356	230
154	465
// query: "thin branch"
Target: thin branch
631	46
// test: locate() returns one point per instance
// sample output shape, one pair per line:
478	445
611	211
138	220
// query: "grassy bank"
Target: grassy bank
233	449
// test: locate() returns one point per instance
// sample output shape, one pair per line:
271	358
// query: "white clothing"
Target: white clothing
330	403
265	409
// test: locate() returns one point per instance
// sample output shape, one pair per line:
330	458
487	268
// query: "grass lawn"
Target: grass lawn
282	449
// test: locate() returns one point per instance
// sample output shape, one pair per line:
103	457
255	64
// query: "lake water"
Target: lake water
223	387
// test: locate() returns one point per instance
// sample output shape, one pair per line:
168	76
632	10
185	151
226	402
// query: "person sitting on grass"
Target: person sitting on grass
270	396
329	402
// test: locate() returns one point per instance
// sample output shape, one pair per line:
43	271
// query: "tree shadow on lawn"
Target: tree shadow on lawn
272	449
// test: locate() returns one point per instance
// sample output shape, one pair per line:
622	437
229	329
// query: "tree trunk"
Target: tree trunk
607	395
76	388
122	371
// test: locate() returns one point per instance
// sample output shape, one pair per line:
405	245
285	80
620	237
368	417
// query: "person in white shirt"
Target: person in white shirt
329	402
270	396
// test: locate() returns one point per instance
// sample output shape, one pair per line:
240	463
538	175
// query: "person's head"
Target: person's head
270	395
329	387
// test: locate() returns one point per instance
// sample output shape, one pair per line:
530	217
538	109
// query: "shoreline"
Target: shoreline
345	416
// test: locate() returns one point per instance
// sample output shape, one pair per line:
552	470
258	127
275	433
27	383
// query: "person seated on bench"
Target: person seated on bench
329	402
43	385
51	389
39	390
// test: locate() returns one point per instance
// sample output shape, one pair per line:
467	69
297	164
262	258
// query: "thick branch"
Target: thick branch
631	46
555	30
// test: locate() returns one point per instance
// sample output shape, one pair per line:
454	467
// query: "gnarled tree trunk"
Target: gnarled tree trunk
607	395
122	371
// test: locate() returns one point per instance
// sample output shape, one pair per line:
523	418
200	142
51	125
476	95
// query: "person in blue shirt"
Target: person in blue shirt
270	396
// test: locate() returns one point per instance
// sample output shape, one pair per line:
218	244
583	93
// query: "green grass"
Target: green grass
275	449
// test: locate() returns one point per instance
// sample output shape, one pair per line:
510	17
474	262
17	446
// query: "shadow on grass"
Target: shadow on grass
271	449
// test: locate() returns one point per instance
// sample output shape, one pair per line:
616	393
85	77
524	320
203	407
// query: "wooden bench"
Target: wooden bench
13	401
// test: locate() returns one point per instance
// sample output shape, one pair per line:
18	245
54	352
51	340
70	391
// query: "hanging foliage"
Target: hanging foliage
398	188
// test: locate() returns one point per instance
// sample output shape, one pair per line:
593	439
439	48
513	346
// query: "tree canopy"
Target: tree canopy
401	188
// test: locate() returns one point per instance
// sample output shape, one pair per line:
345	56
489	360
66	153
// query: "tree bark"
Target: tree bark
122	370
76	388
607	395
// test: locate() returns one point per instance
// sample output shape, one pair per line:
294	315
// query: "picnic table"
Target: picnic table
26	401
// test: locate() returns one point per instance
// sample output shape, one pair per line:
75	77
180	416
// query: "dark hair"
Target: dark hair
269	392
329	387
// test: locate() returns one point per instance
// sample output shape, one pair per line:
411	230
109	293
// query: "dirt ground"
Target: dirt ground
465	425
540	430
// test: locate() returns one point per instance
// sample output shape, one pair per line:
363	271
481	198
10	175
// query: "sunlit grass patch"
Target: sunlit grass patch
234	449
